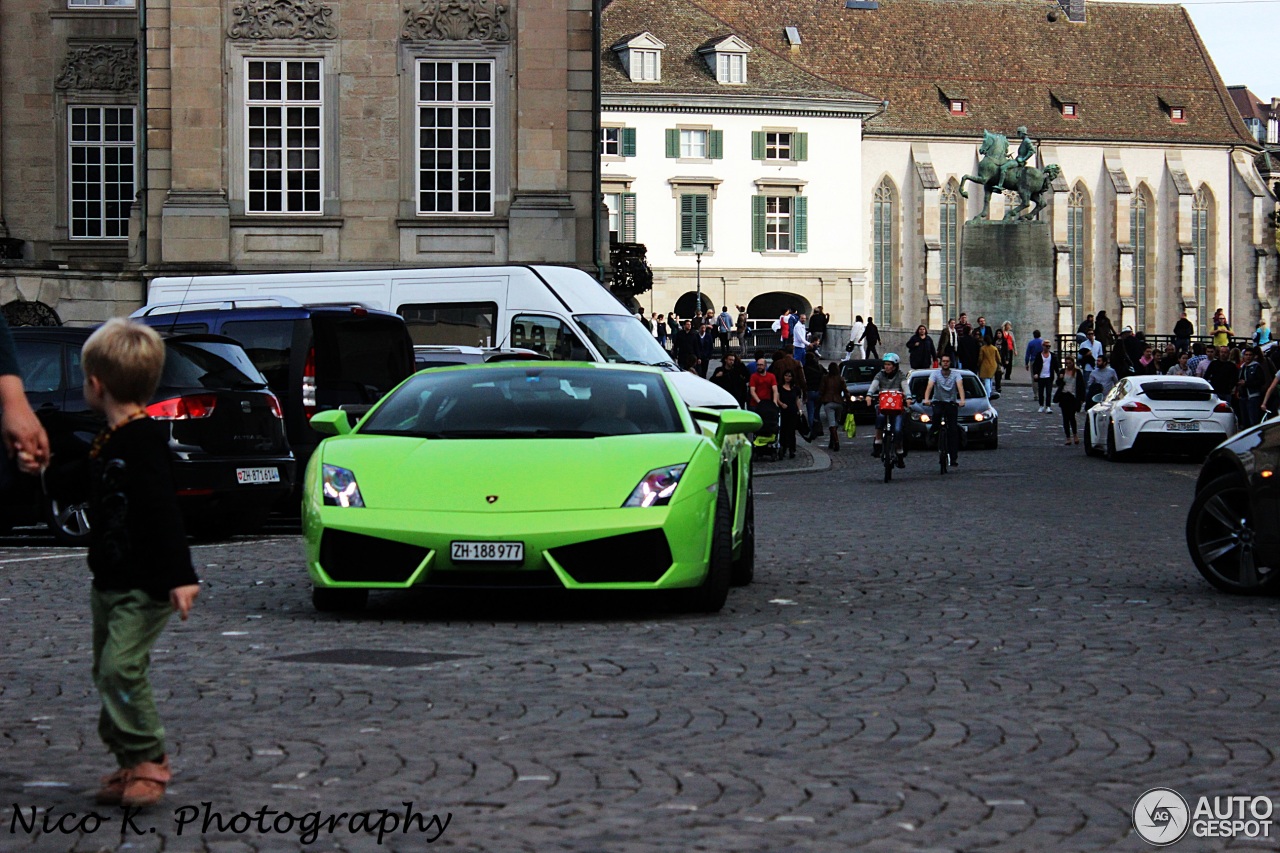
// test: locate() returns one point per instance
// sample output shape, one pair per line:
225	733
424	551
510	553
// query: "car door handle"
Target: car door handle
47	407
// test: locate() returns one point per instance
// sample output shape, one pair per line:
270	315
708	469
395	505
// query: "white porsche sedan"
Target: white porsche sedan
1166	414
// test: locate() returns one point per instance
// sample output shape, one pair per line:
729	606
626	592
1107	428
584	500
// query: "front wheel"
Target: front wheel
68	522
1089	449
1222	537
710	595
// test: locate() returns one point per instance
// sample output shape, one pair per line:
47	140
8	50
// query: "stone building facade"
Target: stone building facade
1159	208
192	135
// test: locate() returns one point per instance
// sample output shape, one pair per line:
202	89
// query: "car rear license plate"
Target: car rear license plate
257	476
487	552
1183	426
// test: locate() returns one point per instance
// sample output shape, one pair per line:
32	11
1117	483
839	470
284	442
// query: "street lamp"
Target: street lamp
699	247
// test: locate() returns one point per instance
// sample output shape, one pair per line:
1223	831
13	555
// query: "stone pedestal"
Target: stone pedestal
1006	273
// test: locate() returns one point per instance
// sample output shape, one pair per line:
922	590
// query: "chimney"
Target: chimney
1074	10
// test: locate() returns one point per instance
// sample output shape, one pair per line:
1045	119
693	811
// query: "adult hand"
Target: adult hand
22	432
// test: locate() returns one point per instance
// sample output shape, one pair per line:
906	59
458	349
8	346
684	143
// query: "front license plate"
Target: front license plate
1183	426
487	552
256	476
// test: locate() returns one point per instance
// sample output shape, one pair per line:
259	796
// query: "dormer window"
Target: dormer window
955	97
1174	107
1067	102
1069	111
727	58
641	56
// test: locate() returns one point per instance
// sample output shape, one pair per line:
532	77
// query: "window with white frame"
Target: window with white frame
455	136
777	223
101	174
284	110
645	66
613	201
98	4
611	141
693	144
777	146
731	67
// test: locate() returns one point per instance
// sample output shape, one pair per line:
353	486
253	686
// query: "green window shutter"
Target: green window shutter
628	217
701	206
715	144
673	142
800	221
627	141
757	145
800	146
757	223
686	222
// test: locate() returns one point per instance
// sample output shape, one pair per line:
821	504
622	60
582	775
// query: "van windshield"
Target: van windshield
622	338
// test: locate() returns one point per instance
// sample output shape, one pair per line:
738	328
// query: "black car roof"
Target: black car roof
79	334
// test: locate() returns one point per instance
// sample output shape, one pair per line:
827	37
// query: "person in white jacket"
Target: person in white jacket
855	335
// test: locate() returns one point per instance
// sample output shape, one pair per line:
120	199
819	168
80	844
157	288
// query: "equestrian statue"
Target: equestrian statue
998	172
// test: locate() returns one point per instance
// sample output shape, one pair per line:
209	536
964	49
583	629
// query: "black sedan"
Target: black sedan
858	374
979	421
231	461
1231	530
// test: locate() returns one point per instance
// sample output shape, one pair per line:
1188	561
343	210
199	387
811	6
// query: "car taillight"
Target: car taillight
309	384
190	407
1136	407
1222	408
274	402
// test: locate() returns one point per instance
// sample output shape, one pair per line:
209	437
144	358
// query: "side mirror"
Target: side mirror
331	422
730	421
1097	398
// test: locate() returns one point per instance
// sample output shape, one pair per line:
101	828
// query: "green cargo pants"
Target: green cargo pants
125	627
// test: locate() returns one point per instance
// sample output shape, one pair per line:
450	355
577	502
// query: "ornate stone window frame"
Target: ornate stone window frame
73	95
499	53
238	54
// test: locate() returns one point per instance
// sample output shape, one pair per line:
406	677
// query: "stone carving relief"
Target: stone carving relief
282	19
102	66
456	20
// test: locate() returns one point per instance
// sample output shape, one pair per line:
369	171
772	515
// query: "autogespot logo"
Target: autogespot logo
1160	816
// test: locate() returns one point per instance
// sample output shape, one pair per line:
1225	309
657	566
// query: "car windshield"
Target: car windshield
527	402
972	387
208	364
863	372
622	338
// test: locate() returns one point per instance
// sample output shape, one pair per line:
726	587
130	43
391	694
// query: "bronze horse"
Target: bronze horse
1028	182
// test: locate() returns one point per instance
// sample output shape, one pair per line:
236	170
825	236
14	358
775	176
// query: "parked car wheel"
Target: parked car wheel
710	595
328	600
1089	449
1221	535
744	568
1114	455
68	522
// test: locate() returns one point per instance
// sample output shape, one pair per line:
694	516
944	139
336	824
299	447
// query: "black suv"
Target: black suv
231	460
314	358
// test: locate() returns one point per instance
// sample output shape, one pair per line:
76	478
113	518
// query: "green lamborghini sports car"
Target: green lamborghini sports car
533	474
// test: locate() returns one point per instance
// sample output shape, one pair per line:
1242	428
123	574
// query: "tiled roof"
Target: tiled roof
685	28
1119	63
1248	104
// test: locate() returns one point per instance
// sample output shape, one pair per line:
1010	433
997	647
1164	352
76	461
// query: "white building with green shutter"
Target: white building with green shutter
706	139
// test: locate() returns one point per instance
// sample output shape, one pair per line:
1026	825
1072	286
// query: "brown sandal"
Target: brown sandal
112	790
146	783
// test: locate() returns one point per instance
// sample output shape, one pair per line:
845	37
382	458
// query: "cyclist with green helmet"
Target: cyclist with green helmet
890	378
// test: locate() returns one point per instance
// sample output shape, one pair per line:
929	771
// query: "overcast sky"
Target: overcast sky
1240	35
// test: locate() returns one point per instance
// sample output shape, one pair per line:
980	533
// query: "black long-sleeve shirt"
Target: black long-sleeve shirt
136	535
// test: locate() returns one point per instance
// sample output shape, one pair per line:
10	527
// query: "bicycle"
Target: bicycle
942	424
891	404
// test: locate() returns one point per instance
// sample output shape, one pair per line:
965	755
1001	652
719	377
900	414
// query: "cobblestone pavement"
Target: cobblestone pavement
1001	659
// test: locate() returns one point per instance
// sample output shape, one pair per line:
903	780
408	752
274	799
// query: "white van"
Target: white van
559	311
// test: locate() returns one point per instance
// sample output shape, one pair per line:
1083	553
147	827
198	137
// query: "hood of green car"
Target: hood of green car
508	475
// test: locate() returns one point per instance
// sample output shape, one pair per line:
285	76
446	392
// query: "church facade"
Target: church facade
1158	208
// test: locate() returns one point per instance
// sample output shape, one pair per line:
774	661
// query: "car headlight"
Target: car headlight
657	487
988	415
921	417
339	487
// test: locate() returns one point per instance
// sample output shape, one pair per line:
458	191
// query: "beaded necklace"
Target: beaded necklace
101	439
